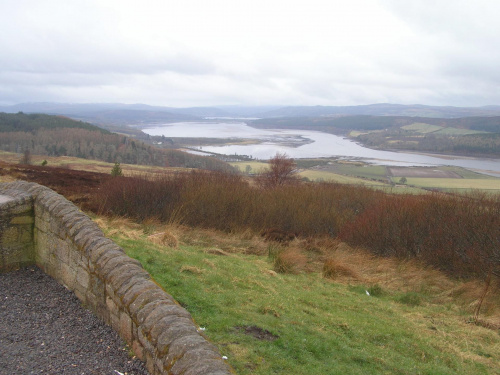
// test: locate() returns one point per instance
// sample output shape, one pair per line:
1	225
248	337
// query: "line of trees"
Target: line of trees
97	145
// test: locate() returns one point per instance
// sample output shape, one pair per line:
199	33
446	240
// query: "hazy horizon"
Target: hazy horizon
280	53
224	106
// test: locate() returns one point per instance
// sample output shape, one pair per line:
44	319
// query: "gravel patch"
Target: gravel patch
45	330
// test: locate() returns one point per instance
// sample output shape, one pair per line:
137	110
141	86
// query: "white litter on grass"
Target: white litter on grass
201	328
224	357
367	292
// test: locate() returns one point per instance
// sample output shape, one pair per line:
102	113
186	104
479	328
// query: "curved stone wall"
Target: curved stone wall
40	226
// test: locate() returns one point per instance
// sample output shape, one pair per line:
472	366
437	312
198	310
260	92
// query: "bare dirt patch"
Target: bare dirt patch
421	172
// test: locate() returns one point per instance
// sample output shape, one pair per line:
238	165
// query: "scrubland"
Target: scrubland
458	234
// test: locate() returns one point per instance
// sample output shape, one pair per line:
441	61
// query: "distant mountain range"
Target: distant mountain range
135	114
384	109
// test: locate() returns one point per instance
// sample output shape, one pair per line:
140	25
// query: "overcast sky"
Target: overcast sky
278	52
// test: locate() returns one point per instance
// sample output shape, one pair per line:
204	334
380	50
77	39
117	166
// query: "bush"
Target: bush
116	170
457	234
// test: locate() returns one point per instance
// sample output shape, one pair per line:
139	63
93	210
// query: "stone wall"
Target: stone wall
16	231
40	226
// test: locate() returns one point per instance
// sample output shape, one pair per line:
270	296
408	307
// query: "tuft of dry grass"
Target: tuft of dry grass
334	269
290	260
120	226
215	251
245	242
164	238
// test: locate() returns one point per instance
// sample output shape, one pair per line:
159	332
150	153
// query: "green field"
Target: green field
428	128
377	172
312	325
314	175
327	175
455	183
256	166
422	128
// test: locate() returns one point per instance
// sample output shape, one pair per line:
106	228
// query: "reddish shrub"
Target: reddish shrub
460	235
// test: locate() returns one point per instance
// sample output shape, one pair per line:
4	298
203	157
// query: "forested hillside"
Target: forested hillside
21	122
56	136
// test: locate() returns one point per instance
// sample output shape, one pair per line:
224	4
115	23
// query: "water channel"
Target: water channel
309	144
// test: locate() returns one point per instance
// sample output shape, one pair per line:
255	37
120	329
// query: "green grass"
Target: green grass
256	166
365	171
422	128
314	175
322	327
455	183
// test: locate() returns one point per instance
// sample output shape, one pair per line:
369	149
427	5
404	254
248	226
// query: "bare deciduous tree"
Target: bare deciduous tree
281	171
26	159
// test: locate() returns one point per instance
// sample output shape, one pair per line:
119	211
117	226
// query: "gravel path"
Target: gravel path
45	330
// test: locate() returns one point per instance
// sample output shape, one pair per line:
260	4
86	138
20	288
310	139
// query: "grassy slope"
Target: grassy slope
323	327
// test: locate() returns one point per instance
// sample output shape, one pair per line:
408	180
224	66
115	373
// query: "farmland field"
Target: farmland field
422	172
455	183
422	128
322	175
256	166
428	128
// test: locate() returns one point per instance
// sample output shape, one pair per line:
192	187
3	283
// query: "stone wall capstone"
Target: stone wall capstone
39	226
